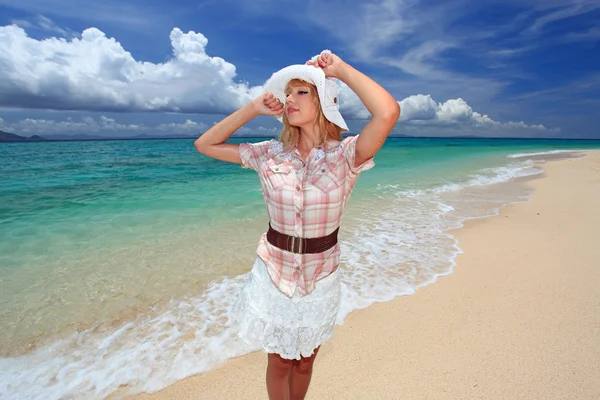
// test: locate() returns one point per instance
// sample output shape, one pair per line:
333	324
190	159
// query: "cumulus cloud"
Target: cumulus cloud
258	131
350	105
85	124
102	124
110	127
422	109
188	125
94	72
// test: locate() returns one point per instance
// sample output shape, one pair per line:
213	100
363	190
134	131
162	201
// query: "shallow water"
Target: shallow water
119	261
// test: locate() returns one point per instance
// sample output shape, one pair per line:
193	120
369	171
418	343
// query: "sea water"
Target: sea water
120	259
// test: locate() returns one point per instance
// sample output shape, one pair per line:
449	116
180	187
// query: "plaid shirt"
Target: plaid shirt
303	199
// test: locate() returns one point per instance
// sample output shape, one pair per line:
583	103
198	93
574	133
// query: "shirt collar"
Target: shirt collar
317	152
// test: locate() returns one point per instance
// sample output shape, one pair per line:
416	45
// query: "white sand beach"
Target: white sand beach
518	318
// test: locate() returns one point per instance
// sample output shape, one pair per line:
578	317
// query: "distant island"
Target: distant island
11	137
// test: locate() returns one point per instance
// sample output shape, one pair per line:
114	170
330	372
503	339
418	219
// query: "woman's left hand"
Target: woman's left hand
330	63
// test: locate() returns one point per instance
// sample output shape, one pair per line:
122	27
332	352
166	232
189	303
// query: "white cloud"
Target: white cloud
374	25
410	35
510	52
45	24
592	34
109	127
564	11
23	23
262	129
258	131
127	15
83	125
188	125
419	111
420	61
418	107
350	105
423	110
95	72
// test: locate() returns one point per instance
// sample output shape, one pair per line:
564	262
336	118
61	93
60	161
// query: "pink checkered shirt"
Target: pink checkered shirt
303	199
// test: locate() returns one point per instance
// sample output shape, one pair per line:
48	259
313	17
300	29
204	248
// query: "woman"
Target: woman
290	300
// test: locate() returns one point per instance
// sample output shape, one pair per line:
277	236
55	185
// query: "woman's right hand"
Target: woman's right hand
268	104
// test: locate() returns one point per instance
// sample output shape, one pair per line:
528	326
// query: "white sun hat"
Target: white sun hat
326	88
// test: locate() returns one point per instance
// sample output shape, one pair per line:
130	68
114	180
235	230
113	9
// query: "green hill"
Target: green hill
11	137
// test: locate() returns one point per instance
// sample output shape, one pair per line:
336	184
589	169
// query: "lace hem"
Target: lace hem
289	343
291	327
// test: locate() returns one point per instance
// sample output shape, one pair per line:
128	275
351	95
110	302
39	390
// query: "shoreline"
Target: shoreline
494	327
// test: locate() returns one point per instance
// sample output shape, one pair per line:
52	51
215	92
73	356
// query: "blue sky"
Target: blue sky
527	68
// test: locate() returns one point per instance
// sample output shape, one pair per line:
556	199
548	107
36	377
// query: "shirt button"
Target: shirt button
298	188
298	214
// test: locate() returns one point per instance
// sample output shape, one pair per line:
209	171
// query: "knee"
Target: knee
280	366
304	366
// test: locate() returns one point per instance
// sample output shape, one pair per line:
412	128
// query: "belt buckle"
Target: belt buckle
298	244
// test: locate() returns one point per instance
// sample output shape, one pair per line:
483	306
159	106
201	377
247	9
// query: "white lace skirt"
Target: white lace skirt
291	327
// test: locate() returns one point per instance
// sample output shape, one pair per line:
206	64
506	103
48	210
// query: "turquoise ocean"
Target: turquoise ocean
120	259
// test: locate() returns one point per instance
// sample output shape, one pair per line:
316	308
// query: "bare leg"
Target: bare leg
278	377
300	376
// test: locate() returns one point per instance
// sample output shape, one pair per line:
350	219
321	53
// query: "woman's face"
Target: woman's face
300	107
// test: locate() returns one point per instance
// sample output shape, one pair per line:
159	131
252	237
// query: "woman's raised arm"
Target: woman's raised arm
212	142
384	109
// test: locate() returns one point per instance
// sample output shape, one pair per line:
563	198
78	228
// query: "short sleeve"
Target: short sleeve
349	153
254	154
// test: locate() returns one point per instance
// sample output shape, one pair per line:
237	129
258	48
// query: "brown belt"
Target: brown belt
299	245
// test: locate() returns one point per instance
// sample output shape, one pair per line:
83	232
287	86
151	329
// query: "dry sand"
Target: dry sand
519	318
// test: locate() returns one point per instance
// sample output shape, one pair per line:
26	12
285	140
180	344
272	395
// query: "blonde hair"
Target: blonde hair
290	135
